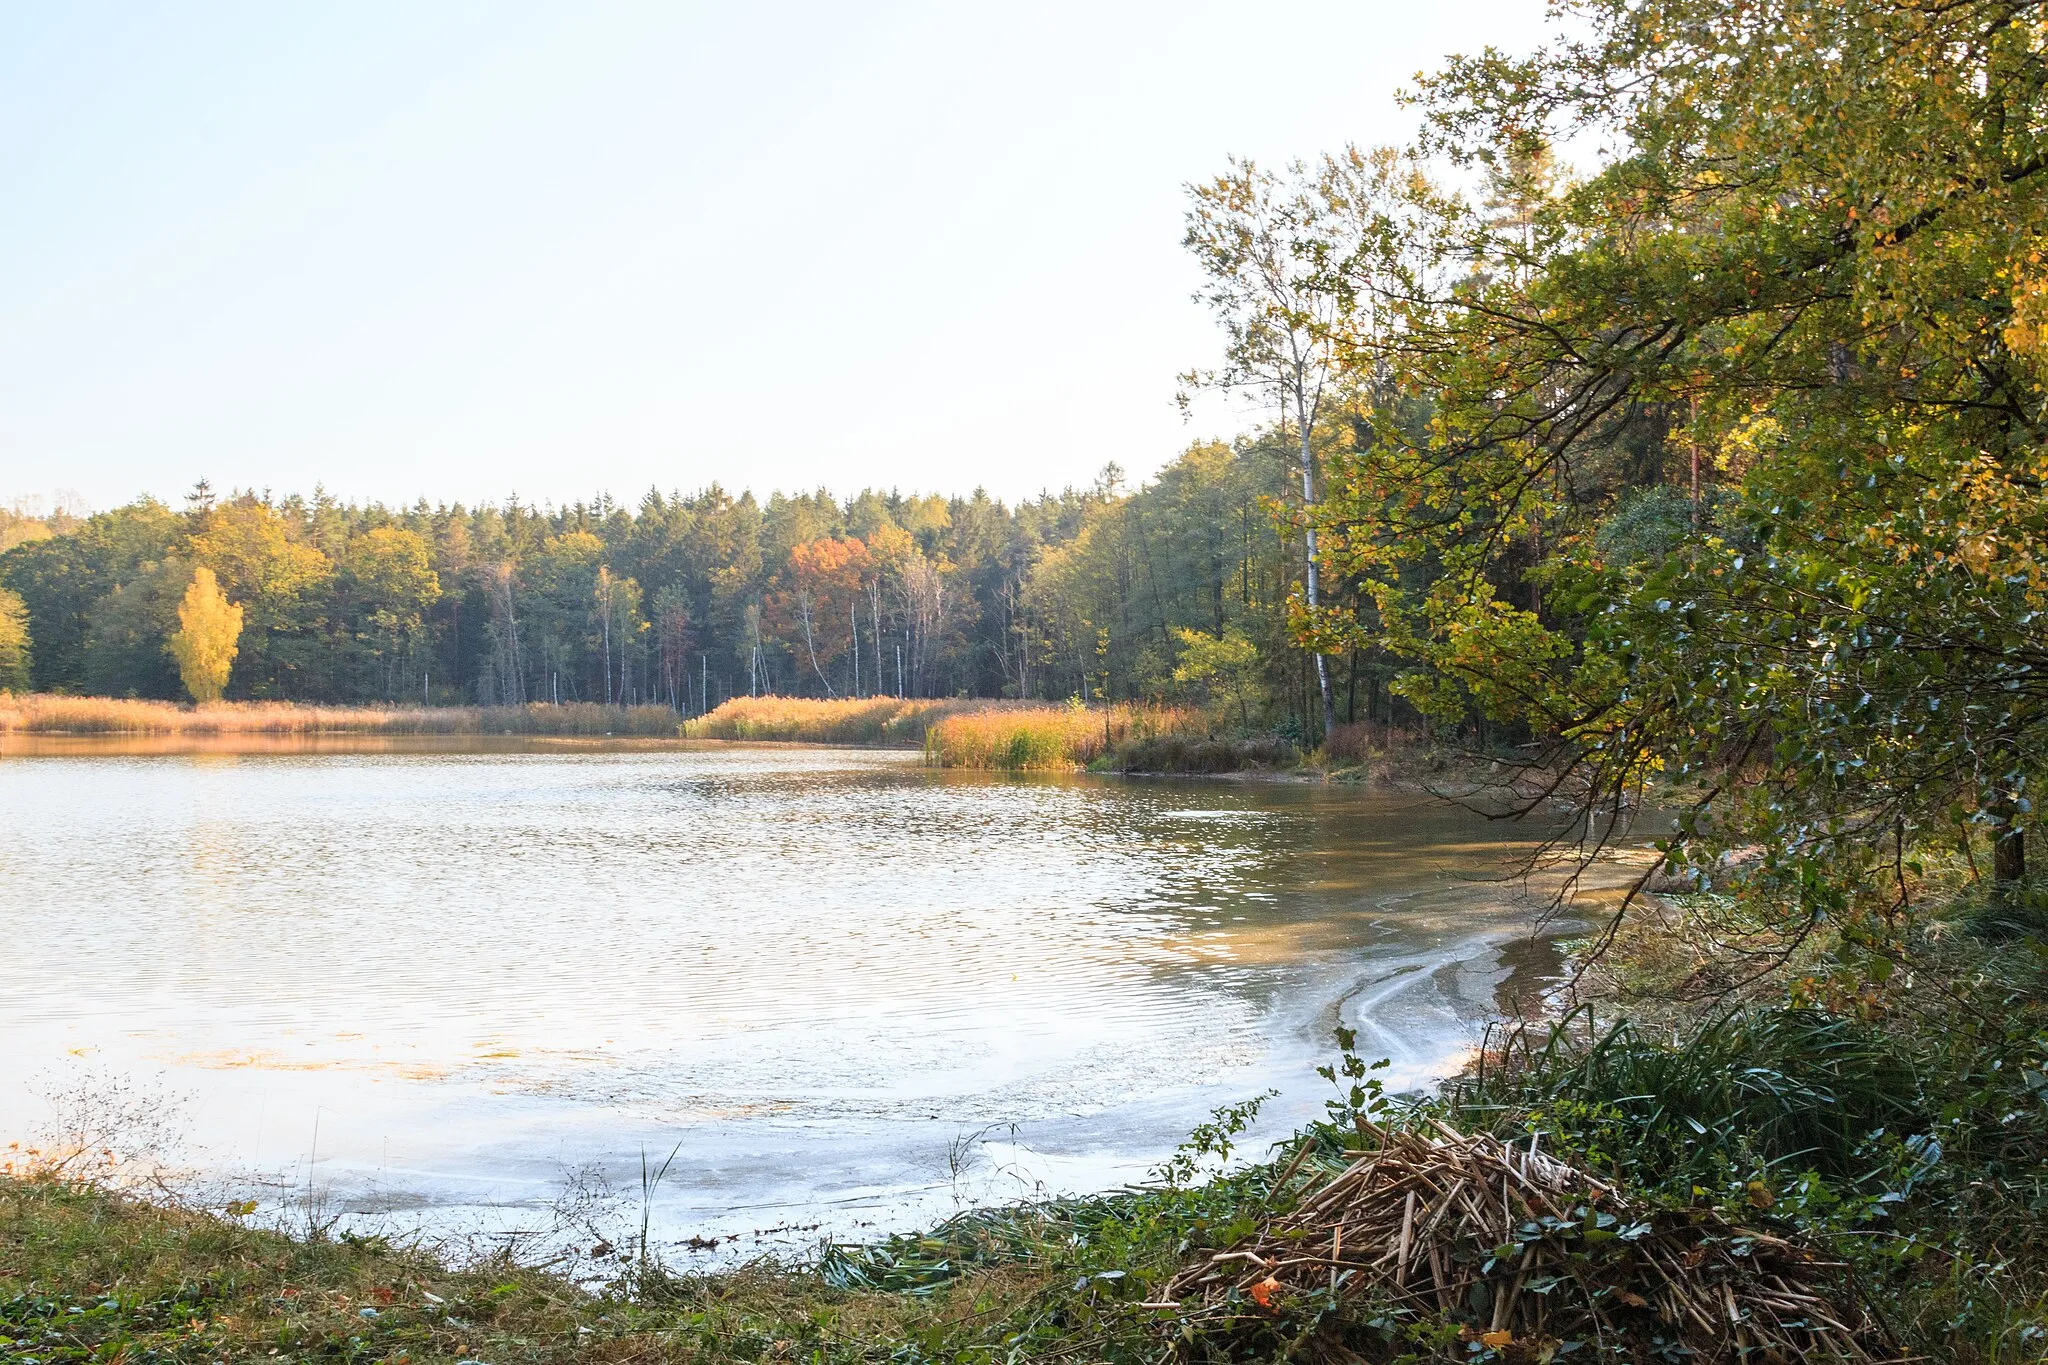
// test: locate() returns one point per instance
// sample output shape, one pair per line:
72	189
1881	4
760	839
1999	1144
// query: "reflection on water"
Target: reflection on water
474	965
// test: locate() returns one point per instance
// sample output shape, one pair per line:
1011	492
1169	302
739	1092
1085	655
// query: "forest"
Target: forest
686	600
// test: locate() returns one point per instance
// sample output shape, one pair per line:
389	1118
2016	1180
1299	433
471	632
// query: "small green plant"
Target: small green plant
1214	1140
1360	1094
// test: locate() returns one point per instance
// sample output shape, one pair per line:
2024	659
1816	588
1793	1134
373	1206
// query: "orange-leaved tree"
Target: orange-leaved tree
816	594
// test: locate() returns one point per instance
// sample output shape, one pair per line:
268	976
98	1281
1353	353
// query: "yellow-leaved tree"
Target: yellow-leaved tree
207	638
14	656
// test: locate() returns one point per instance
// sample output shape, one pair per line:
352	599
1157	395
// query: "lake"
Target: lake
468	985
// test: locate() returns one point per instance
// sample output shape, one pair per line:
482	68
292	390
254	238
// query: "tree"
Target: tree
615	605
1815	264
1224	666
563	617
1254	235
819	591
126	630
207	638
14	643
262	561
672	644
386	586
63	581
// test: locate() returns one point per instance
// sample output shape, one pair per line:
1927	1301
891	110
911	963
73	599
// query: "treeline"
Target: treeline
685	600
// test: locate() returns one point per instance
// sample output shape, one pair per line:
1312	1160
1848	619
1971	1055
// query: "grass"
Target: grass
1914	1149
86	1275
899	721
41	713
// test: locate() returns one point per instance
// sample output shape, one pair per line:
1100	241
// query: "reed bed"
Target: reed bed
57	715
1052	738
837	720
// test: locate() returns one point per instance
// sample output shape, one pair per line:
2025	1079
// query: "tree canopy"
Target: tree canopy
1732	453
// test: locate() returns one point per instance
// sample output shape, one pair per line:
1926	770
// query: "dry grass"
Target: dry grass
39	713
1052	738
839	720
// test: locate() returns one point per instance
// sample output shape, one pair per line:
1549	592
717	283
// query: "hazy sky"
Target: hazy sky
466	250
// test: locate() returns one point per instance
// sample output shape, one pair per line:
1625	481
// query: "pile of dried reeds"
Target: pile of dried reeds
1530	1251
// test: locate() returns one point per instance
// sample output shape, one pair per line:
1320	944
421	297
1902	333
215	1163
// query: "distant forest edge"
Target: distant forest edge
1175	592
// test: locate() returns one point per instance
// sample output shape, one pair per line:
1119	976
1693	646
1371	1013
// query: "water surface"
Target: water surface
451	980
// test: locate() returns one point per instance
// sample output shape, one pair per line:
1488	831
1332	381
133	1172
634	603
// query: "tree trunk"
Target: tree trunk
2008	849
2008	838
1308	499
2009	859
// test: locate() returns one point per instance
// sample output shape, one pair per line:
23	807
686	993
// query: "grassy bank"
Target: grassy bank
45	714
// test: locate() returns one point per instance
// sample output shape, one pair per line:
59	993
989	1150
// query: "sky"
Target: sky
475	251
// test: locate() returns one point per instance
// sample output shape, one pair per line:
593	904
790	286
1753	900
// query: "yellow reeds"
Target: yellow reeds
840	720
955	732
1055	738
46	714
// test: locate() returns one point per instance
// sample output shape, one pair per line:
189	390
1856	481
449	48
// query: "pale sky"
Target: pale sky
466	250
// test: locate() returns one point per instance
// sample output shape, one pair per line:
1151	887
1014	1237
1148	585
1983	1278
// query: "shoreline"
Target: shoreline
1000	735
1053	1275
42	743
1269	978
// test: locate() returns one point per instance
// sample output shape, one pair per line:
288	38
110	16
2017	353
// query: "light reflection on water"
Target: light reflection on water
813	968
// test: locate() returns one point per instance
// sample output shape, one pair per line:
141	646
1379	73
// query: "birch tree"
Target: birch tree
208	637
1256	237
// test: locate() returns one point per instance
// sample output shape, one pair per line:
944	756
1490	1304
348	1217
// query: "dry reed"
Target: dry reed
1532	1251
46	714
837	720
1051	738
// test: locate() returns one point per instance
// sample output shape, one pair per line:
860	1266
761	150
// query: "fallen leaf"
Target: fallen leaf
1495	1340
1264	1291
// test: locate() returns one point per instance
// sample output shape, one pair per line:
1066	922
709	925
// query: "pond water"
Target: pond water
472	984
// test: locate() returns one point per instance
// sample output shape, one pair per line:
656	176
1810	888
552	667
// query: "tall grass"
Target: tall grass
1769	1084
46	714
839	720
1055	738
